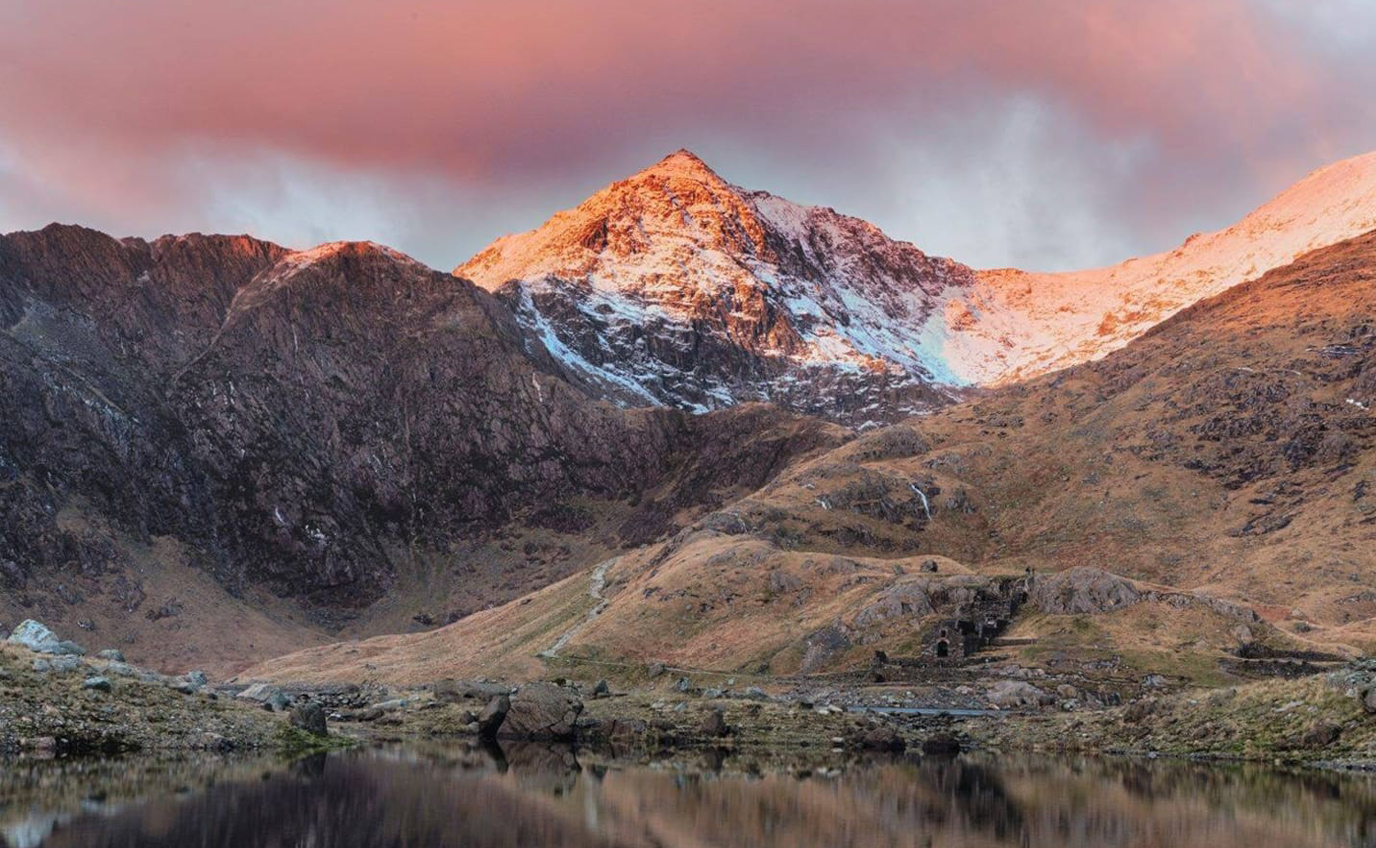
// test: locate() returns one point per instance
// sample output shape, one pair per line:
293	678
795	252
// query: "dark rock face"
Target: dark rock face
542	711
360	397
310	717
491	718
93	329
297	419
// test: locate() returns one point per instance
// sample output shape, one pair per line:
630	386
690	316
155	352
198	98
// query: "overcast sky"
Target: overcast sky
1036	133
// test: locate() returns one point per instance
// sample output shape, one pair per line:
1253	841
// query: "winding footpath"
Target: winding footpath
595	587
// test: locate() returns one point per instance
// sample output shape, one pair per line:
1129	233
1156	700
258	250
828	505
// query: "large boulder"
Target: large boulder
941	744
189	683
1321	735
34	636
1011	694
267	696
542	711
60	665
37	637
310	717
715	725
124	669
1083	590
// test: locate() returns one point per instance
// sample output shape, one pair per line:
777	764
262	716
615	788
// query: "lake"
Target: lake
532	796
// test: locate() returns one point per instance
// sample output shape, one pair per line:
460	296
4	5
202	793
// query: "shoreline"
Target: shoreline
102	707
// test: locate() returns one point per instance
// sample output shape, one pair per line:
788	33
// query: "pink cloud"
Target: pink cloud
98	95
469	87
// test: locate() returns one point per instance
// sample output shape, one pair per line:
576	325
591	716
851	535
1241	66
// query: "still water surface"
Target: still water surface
541	796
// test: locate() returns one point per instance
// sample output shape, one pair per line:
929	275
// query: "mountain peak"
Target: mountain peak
676	287
681	163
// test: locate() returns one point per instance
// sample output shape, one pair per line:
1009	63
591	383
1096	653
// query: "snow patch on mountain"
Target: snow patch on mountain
704	294
1015	324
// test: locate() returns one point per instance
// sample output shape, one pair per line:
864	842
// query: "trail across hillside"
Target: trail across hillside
595	587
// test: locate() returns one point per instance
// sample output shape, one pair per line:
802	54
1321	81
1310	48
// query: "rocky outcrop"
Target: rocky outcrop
1082	591
882	739
1092	591
906	600
454	691
267	696
714	726
1013	694
544	711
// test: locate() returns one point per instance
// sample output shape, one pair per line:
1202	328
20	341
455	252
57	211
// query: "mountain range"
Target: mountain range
215	450
676	287
1204	493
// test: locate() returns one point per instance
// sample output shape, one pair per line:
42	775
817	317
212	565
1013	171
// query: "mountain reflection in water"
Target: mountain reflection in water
532	796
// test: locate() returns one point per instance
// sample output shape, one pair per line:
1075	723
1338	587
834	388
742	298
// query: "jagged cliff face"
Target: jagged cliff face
675	287
354	396
299	420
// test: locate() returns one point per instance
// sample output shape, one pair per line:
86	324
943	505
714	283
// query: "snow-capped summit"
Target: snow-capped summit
676	287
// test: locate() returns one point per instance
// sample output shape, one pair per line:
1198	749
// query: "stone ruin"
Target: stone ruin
977	621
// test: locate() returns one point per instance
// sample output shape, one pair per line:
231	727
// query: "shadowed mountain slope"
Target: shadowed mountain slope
313	424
